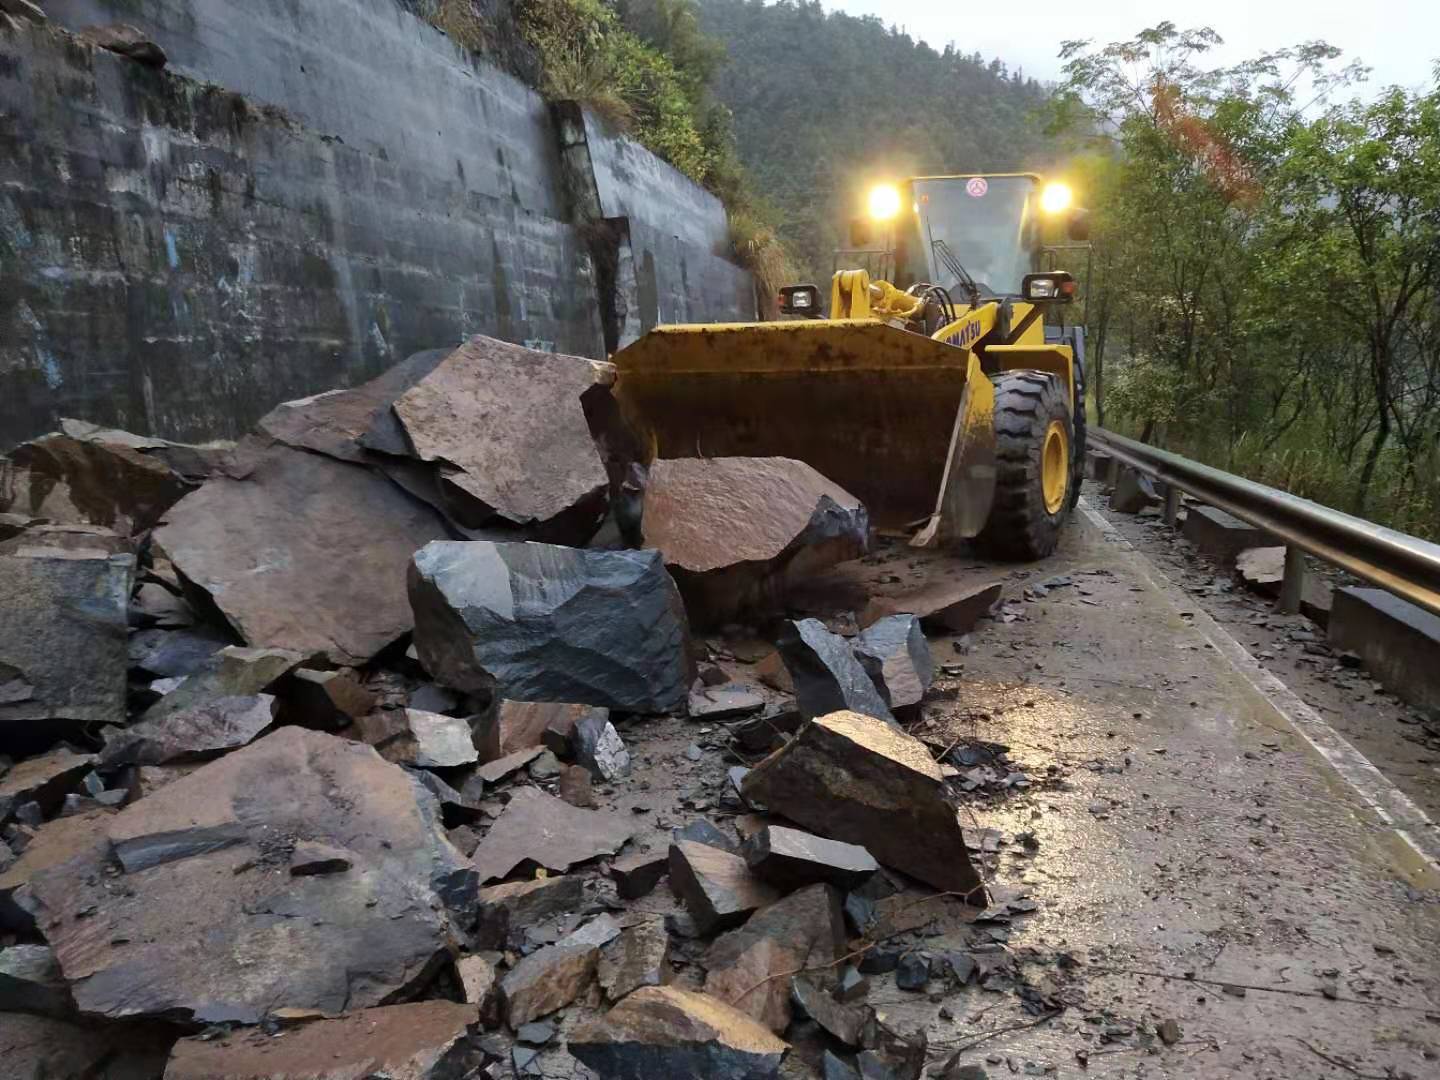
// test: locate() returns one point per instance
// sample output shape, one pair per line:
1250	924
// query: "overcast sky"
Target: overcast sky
1399	39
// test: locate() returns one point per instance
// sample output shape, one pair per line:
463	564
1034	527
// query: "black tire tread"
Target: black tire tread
1019	528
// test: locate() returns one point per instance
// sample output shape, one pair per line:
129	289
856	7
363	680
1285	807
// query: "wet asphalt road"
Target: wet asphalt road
1199	859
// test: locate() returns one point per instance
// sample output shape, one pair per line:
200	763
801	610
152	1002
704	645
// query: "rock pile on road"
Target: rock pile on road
334	752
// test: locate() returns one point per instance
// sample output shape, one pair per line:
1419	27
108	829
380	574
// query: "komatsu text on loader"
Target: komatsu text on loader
940	397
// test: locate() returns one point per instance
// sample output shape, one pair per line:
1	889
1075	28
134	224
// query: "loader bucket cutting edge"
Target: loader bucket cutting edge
869	406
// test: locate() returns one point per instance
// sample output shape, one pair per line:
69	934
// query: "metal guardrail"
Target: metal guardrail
1404	565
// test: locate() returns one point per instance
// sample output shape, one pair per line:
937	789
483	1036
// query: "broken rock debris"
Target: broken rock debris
826	674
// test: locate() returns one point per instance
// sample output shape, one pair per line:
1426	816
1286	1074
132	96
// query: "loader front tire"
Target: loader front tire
1034	479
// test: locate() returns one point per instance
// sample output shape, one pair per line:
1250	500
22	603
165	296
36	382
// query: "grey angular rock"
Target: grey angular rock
854	778
702	831
504	911
30	981
845	1022
546	766
833	1067
155	605
430	741
717	887
234	671
424	1040
126	41
640	956
598	747
852	986
55	842
546	980
791	859
913	972
749	966
536	622
492	772
1134	491
170	653
894	653
725	702
540	829
637	875
34	1046
202	854
63	649
507	428
536	1033
663	1031
303	553
826	674
43	780
738	532
193	734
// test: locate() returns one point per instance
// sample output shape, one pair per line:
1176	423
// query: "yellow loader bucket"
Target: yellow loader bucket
872	407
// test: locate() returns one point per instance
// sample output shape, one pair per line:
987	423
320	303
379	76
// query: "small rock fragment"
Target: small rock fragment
504	911
597	745
844	1022
546	980
791	859
30	981
717	887
913	972
895	654
640	956
477	979
1169	1031
575	786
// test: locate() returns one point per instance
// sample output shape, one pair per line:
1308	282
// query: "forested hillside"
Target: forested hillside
825	103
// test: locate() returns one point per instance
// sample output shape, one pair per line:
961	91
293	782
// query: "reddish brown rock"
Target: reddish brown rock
637	875
504	911
943	606
662	1031
640	956
736	532
540	829
749	966
717	887
576	787
206	857
304	553
52	844
426	1040
857	779
509	726
507	426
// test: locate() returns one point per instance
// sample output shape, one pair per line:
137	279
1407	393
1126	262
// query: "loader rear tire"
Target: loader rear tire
1033	497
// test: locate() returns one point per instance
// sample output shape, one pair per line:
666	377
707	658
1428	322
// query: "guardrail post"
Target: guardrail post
1172	504
1112	472
1292	587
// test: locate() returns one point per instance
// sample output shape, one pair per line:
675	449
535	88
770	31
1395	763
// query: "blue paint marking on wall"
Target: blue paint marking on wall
171	253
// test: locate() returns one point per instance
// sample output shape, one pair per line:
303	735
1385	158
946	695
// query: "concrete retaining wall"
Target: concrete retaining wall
177	257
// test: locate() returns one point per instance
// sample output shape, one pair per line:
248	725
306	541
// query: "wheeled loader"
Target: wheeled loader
940	398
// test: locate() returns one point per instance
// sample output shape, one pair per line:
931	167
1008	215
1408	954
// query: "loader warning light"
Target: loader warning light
1056	197
884	202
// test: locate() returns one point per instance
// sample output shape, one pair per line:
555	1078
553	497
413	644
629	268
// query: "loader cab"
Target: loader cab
972	235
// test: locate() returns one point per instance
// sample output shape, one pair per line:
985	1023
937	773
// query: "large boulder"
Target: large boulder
507	428
536	622
190	905
303	553
860	780
63	649
736	532
662	1031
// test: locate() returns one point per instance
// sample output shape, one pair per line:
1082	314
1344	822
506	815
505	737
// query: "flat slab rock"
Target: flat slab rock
944	606
426	1040
204	730
540	622
207	858
857	779
736	531
63	646
539	828
790	859
509	425
662	1031
304	553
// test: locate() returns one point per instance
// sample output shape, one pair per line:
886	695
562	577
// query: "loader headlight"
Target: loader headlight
884	202
800	300
1056	197
1055	287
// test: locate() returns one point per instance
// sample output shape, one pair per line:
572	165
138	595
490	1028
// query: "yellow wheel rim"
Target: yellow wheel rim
1055	466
